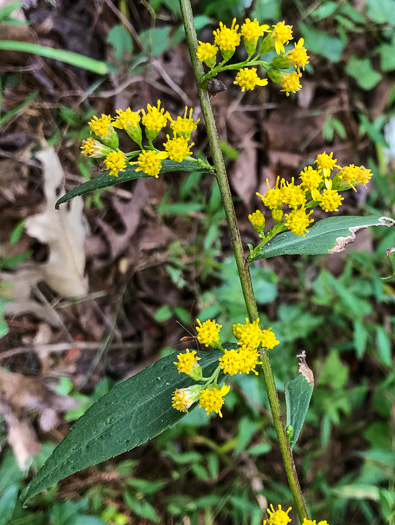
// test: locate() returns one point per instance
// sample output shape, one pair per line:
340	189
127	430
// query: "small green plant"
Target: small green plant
147	404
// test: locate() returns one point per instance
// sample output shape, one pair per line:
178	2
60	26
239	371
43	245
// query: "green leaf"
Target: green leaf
121	40
322	43
325	10
298	394
325	237
383	345
7	504
361	69
381	11
391	258
133	412
105	180
387	56
155	41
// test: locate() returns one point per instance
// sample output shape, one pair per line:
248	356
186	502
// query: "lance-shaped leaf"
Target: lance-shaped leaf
105	180
325	237
133	412
298	394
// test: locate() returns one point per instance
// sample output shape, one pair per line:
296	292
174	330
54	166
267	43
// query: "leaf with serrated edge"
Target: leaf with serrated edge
133	412
325	237
105	180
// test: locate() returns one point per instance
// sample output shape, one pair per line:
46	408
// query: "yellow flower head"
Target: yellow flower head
178	148
237	330
293	196
252	30
95	149
249	360
310	177
257	219
277	215
290	82
126	118
206	52
186	361
268	339
227	39
155	119
277	517
230	362
298	221
208	333
184	126
212	399
314	522
298	55
115	162
183	398
325	163
354	175
273	198
282	34
101	126
247	78
149	162
251	335
330	200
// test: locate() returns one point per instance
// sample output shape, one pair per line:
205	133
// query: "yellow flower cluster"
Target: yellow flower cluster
318	186
281	517
149	159
227	39
241	360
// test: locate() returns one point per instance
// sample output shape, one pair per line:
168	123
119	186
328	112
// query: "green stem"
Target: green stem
244	275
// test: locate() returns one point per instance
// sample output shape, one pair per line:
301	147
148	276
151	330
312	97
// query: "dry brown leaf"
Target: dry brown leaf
62	230
18	394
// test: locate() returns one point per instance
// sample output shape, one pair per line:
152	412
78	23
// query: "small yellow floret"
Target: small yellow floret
325	163
277	517
101	126
126	118
252	30
206	51
178	148
116	162
293	196
230	362
277	215
184	125
212	399
310	177
247	78
282	35
182	399
354	175
268	339
290	82
155	119
208	332
298	221
273	198
186	361
149	162
227	39
93	148
251	335
249	360
330	200
257	219
298	55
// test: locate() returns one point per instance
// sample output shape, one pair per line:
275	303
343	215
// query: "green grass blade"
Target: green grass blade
68	57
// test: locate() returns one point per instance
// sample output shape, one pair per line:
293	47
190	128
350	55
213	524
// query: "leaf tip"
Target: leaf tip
342	242
304	368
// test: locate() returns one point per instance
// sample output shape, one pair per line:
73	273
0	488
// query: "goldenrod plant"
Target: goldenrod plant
145	405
